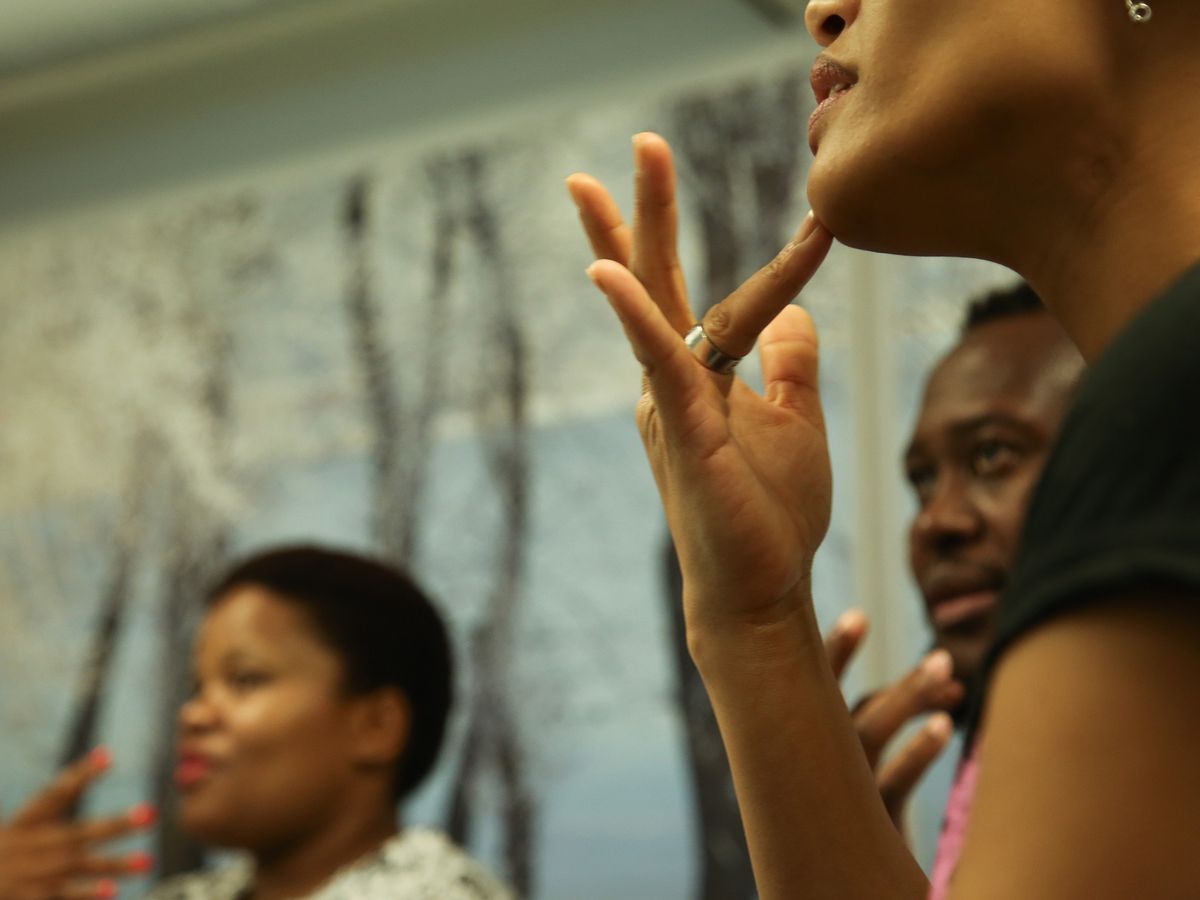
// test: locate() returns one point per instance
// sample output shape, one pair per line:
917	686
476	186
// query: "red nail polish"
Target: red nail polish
140	862
106	889
142	814
100	759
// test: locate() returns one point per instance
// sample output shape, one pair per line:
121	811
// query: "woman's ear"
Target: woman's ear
381	723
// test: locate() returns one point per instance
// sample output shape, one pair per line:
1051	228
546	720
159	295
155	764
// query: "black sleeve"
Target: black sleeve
1118	505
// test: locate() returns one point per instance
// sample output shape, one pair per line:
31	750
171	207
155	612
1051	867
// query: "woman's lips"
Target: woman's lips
821	112
963	608
191	770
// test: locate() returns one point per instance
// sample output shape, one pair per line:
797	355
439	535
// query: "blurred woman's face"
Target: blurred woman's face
955	110
264	744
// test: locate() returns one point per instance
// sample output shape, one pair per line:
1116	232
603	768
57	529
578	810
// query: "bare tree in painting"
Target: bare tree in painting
83	725
494	741
742	154
401	418
401	437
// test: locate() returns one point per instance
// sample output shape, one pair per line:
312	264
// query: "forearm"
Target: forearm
814	820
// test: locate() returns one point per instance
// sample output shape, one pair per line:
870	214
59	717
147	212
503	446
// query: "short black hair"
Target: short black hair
379	622
1018	299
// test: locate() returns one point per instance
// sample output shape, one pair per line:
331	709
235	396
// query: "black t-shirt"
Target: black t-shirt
1118	504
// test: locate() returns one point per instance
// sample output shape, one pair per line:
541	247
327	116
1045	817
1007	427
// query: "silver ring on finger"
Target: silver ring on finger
709	354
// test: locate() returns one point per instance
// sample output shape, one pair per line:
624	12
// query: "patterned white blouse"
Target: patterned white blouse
417	864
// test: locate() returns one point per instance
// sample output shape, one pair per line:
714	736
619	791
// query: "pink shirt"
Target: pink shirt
954	830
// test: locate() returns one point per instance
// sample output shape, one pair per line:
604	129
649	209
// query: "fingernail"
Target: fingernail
139	862
940	726
807	227
937	666
850	620
100	759
106	889
591	273
142	814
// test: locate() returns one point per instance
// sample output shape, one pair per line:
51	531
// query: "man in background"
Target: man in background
987	422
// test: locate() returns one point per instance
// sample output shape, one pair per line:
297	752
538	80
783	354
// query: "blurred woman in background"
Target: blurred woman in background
323	684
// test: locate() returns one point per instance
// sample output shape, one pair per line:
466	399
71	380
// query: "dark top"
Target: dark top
1118	504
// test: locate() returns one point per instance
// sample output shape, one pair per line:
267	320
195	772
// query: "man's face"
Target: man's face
988	419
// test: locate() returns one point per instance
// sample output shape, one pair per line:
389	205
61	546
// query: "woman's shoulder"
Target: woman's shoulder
421	864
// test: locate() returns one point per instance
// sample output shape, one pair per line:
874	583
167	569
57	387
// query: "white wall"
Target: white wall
323	79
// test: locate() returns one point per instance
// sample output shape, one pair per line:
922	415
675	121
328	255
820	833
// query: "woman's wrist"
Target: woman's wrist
748	641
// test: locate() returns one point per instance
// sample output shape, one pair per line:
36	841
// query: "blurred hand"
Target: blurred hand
929	687
45	855
744	478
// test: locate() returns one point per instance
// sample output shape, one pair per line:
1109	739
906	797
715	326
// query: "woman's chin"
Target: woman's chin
857	217
207	824
881	218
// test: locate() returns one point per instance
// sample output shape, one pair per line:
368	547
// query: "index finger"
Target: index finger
734	324
57	798
601	218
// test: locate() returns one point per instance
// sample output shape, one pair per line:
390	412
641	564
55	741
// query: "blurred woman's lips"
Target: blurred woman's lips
192	769
964	608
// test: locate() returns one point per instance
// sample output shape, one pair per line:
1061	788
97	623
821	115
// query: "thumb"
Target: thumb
790	362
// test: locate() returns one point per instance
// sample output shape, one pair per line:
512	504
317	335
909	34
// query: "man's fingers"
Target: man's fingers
897	778
734	324
920	691
65	790
844	639
655	259
608	234
951	695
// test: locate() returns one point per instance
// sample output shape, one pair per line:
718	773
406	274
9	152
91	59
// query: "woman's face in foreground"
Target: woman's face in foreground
954	109
264	746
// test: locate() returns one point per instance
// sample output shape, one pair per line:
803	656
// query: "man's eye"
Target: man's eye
921	478
993	458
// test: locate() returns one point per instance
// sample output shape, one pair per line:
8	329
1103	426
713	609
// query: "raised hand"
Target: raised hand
44	855
744	478
928	688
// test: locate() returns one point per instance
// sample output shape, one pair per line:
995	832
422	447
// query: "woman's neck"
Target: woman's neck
1097	286
1129	224
302	867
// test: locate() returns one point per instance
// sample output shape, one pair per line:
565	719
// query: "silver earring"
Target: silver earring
1139	12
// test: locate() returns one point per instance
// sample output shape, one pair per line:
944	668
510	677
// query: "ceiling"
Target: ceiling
39	34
